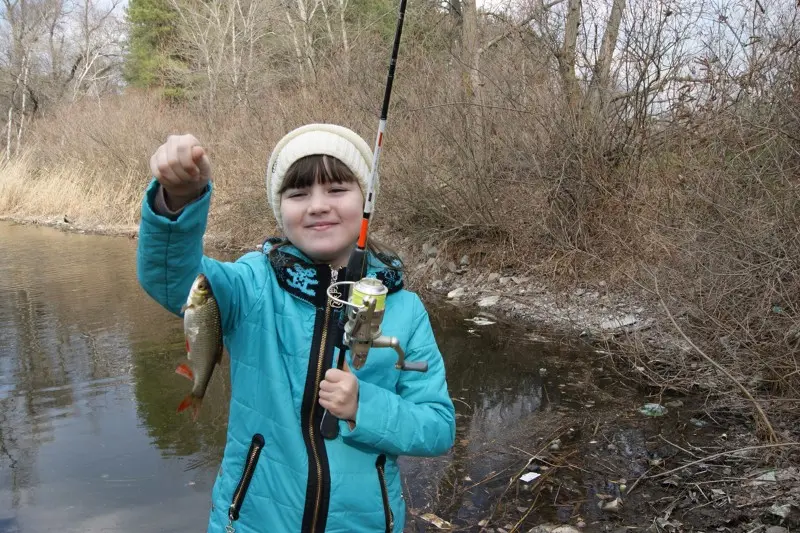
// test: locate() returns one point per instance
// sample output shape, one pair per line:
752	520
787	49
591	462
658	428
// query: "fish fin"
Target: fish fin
186	306
185	371
196	403
191	401
188	349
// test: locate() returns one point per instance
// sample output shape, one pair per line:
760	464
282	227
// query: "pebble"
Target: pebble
488	301
456	293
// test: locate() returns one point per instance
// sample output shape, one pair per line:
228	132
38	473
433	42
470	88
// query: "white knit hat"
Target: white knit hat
317	139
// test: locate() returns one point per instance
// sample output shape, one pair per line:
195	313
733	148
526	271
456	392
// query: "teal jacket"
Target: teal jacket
273	306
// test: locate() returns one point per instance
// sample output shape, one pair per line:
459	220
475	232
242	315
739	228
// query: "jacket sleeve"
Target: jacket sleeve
419	419
169	256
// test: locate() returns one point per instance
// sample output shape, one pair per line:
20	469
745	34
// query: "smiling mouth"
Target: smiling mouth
320	227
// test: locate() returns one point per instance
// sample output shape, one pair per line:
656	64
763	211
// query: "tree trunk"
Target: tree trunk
8	132
470	51
327	21
566	56
298	51
601	83
308	45
22	107
345	42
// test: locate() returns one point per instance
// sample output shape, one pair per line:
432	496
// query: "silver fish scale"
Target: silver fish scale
203	331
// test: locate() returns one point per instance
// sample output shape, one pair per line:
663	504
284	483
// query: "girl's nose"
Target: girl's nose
318	204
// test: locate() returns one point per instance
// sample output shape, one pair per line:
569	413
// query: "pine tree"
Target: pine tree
151	53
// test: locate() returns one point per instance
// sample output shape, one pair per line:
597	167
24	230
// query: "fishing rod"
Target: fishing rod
355	327
357	262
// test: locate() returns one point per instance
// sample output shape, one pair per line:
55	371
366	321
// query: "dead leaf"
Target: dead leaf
436	521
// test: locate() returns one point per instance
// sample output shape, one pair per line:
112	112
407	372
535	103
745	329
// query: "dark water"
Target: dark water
89	437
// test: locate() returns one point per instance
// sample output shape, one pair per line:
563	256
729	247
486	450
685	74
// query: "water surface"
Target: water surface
89	437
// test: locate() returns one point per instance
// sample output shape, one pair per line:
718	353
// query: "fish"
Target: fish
202	329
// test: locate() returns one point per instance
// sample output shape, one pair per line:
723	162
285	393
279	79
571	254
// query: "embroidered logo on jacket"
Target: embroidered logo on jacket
302	278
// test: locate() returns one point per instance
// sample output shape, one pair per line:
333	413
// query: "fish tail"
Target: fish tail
191	401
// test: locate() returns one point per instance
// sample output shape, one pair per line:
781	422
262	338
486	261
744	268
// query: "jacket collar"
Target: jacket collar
309	281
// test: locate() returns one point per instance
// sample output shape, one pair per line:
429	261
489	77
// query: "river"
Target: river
89	437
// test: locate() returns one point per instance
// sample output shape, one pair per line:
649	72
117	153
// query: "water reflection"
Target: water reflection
72	454
89	436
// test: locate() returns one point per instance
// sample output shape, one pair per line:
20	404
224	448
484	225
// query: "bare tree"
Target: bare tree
566	54
24	19
601	82
98	56
205	28
300	22
345	41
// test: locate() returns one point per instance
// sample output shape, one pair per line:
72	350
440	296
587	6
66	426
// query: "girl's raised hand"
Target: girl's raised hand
182	167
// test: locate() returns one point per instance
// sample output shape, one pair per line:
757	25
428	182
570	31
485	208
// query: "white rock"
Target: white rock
615	323
456	293
488	301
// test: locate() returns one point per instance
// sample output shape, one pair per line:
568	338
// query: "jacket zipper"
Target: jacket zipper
321	360
387	509
247	475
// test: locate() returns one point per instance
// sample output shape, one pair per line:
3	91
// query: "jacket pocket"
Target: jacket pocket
247	475
387	508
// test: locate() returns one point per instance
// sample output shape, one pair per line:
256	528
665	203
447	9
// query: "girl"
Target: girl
275	320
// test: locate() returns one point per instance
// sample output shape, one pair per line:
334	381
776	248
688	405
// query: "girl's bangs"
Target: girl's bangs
312	169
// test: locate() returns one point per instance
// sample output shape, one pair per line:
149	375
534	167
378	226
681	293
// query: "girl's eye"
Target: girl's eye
338	189
296	194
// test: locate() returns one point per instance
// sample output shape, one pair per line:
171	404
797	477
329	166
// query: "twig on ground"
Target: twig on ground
684	450
773	437
722	454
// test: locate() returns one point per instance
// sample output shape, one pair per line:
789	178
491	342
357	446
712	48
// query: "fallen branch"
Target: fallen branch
722	454
773	437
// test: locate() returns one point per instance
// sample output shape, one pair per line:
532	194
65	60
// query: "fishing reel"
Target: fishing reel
362	331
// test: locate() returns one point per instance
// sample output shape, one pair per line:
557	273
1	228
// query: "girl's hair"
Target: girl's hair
323	169
312	169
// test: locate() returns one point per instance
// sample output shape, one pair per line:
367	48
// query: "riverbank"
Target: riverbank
594	312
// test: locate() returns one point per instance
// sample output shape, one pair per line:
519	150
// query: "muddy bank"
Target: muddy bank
595	461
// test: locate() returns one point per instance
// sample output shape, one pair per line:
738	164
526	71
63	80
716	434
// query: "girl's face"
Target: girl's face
323	219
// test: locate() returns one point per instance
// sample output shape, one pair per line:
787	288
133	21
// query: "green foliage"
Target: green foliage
151	34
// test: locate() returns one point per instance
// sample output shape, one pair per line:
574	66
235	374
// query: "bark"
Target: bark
8	132
600	85
297	49
566	56
22	107
345	42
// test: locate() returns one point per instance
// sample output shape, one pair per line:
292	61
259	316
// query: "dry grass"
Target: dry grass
70	191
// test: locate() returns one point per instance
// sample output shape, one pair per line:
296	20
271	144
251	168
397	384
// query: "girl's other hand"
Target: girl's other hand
338	393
